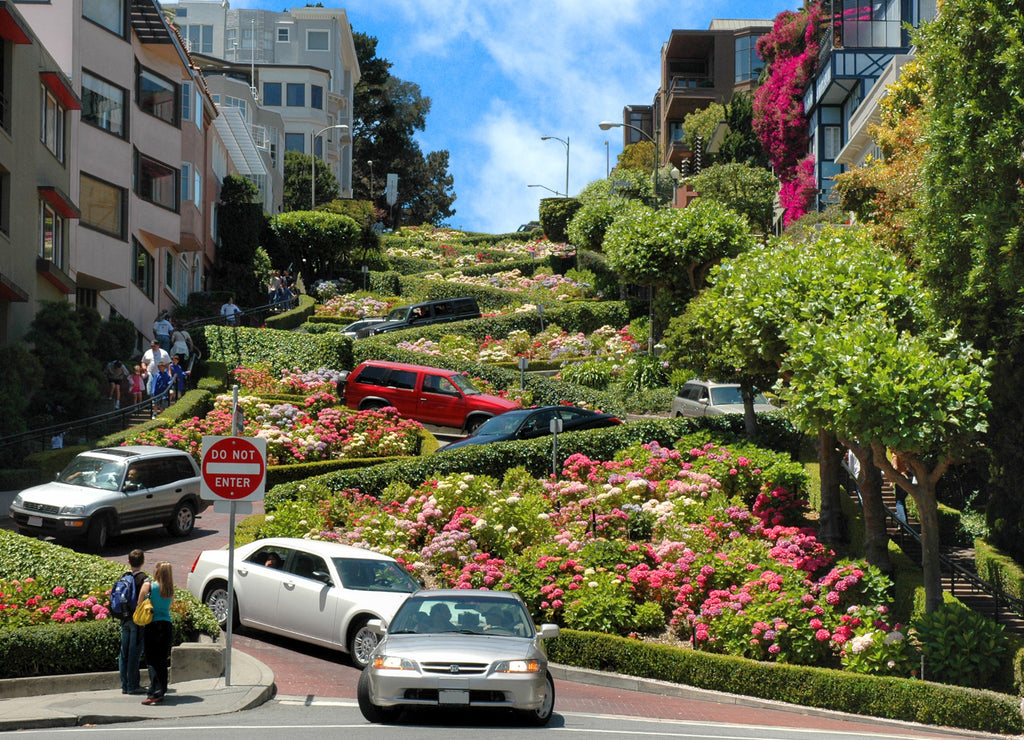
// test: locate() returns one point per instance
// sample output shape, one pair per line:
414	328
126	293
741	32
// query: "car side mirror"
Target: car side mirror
322	576
547	631
129	486
377	626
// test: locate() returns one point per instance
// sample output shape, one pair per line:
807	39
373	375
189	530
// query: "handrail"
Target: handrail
951	567
256	315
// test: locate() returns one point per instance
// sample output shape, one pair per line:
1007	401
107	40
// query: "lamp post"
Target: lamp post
312	159
370	162
546	188
566	142
604	126
607	160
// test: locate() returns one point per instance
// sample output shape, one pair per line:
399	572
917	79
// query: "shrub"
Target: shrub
555	215
961	646
237	346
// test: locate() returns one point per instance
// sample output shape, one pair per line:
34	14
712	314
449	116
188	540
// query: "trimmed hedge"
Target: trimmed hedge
998	568
282	350
79	647
874	696
293	318
194	403
535	456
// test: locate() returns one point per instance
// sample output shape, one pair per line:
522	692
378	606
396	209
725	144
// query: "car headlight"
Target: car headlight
517	666
393	663
18	501
72	510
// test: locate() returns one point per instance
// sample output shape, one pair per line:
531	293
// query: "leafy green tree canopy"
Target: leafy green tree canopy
298	175
318	242
745	189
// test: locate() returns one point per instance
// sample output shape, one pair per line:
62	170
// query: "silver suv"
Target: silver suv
112	491
704	398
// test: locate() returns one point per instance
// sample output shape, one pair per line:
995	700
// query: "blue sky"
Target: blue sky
501	74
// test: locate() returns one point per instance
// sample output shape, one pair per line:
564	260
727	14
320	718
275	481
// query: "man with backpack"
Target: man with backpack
124	597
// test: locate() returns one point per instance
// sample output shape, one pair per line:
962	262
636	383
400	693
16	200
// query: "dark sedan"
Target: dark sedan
530	423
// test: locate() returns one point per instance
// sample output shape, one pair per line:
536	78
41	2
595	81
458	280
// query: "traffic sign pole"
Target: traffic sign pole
236	431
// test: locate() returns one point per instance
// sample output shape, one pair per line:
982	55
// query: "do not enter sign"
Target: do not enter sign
234	468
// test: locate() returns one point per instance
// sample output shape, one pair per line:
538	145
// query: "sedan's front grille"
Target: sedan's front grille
455	669
476	696
43	508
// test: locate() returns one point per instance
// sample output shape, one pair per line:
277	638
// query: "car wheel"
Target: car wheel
369	710
542	715
372	406
99	533
184	520
474	423
361	643
216	598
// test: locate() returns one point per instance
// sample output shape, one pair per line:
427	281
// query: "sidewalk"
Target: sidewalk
63	701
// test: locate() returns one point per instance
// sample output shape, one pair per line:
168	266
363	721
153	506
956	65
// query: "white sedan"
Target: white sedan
318	592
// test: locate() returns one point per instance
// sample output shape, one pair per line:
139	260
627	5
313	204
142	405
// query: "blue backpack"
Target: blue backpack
123	597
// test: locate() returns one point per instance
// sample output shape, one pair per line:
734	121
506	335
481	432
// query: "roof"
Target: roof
235	134
321	547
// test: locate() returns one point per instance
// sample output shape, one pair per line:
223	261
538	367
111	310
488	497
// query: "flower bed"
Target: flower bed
27	602
314	430
696	542
261	379
563	288
551	345
356	306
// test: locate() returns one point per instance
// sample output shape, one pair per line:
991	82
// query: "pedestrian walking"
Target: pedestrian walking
137	384
181	343
179	377
230	311
157	636
153	357
116	374
162	329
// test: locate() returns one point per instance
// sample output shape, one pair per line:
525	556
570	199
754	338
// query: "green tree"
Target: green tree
240	229
925	399
702	123
737	330
746	189
971	241
63	339
640	155
591	221
740	143
23	375
298	175
321	243
387	111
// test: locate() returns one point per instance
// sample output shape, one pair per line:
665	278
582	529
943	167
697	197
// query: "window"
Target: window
271	93
102	206
748	63
51	235
296	95
832	142
283	34
85	297
318	41
142	268
316	96
157	96
107	13
186	101
169	269
103	104
156	182
186	182
52	123
181	12
5	202
199	38
295	143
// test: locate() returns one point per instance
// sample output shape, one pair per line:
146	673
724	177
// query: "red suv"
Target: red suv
427	394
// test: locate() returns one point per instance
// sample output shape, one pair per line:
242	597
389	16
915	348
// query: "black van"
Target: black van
428	312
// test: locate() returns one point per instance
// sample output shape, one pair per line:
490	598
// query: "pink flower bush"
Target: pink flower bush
27	602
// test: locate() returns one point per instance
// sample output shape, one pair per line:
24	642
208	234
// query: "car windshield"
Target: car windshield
466	614
360	574
93	472
501	424
465	384
398	314
730	394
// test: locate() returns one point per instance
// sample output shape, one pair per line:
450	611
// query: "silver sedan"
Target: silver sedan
459	649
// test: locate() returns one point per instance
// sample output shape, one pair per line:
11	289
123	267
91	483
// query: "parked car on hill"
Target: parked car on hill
361	329
429	312
531	423
109	491
428	394
459	649
319	592
705	398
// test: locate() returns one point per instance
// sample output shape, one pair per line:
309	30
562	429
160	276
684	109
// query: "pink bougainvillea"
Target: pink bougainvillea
790	52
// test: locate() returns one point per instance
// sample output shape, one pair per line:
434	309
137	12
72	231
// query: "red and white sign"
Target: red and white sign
234	468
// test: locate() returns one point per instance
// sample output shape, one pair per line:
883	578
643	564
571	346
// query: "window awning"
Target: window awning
59	86
59	200
55	275
237	138
12	27
94	282
10	291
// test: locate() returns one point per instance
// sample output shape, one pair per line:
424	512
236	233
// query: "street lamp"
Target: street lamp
607	160
546	188
370	162
312	152
604	126
566	142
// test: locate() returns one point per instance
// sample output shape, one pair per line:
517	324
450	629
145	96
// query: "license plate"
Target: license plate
35	521
451	696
